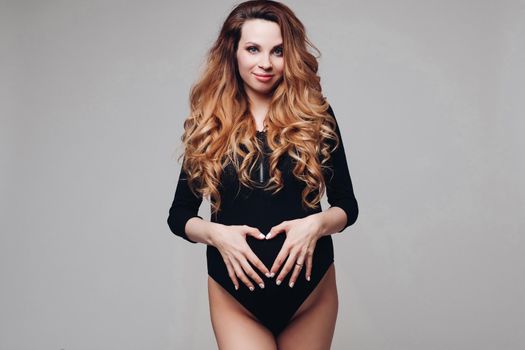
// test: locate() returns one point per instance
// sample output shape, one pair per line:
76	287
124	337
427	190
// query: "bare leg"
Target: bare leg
313	325
234	327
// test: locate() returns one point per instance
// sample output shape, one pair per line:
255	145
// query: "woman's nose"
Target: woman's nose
265	63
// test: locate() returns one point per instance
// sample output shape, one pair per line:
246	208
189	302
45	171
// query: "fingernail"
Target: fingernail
268	236
291	284
236	287
251	288
308	278
262	236
268	275
278	282
272	274
261	285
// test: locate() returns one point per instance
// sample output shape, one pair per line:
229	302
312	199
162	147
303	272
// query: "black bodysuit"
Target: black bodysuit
274	305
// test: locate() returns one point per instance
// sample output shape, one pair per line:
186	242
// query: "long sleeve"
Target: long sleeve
339	189
184	207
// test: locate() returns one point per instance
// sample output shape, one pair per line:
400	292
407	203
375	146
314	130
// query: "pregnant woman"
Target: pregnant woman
262	144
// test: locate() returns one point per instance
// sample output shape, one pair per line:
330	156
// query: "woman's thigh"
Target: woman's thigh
234	327
312	327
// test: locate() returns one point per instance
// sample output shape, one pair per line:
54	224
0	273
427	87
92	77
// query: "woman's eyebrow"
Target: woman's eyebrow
255	44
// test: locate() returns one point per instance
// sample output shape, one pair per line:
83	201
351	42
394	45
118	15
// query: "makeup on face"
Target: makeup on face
260	55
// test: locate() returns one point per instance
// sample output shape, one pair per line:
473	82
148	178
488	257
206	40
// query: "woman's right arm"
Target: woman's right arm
183	218
230	240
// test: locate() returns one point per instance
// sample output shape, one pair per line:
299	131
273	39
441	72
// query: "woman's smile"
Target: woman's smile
264	77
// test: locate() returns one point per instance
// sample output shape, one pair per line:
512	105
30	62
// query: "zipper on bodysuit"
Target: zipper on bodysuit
261	162
261	170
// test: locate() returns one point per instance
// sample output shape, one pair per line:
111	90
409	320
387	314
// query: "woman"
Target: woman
262	144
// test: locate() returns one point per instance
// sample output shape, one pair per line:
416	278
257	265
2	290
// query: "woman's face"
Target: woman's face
260	56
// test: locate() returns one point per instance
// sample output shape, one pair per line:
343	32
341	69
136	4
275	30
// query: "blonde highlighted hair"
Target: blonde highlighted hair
220	129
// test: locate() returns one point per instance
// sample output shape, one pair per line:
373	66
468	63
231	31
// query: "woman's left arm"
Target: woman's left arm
302	234
343	209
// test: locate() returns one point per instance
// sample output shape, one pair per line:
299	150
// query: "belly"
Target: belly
267	251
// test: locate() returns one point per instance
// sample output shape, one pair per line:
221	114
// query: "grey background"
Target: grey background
429	95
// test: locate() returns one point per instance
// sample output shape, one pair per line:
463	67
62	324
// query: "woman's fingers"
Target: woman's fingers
251	272
254	232
296	268
309	263
283	253
254	259
244	270
240	273
274	231
296	263
231	273
287	267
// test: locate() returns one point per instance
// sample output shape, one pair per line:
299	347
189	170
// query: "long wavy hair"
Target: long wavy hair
220	129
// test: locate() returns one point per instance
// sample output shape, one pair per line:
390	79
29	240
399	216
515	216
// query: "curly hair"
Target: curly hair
220	129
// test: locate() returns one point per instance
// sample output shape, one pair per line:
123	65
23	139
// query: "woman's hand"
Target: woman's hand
230	240
299	245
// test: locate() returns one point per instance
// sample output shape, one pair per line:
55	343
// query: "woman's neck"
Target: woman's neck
259	109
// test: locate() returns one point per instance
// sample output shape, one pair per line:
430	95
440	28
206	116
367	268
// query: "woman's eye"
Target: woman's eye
278	51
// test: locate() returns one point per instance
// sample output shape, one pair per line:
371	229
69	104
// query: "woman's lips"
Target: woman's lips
264	77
